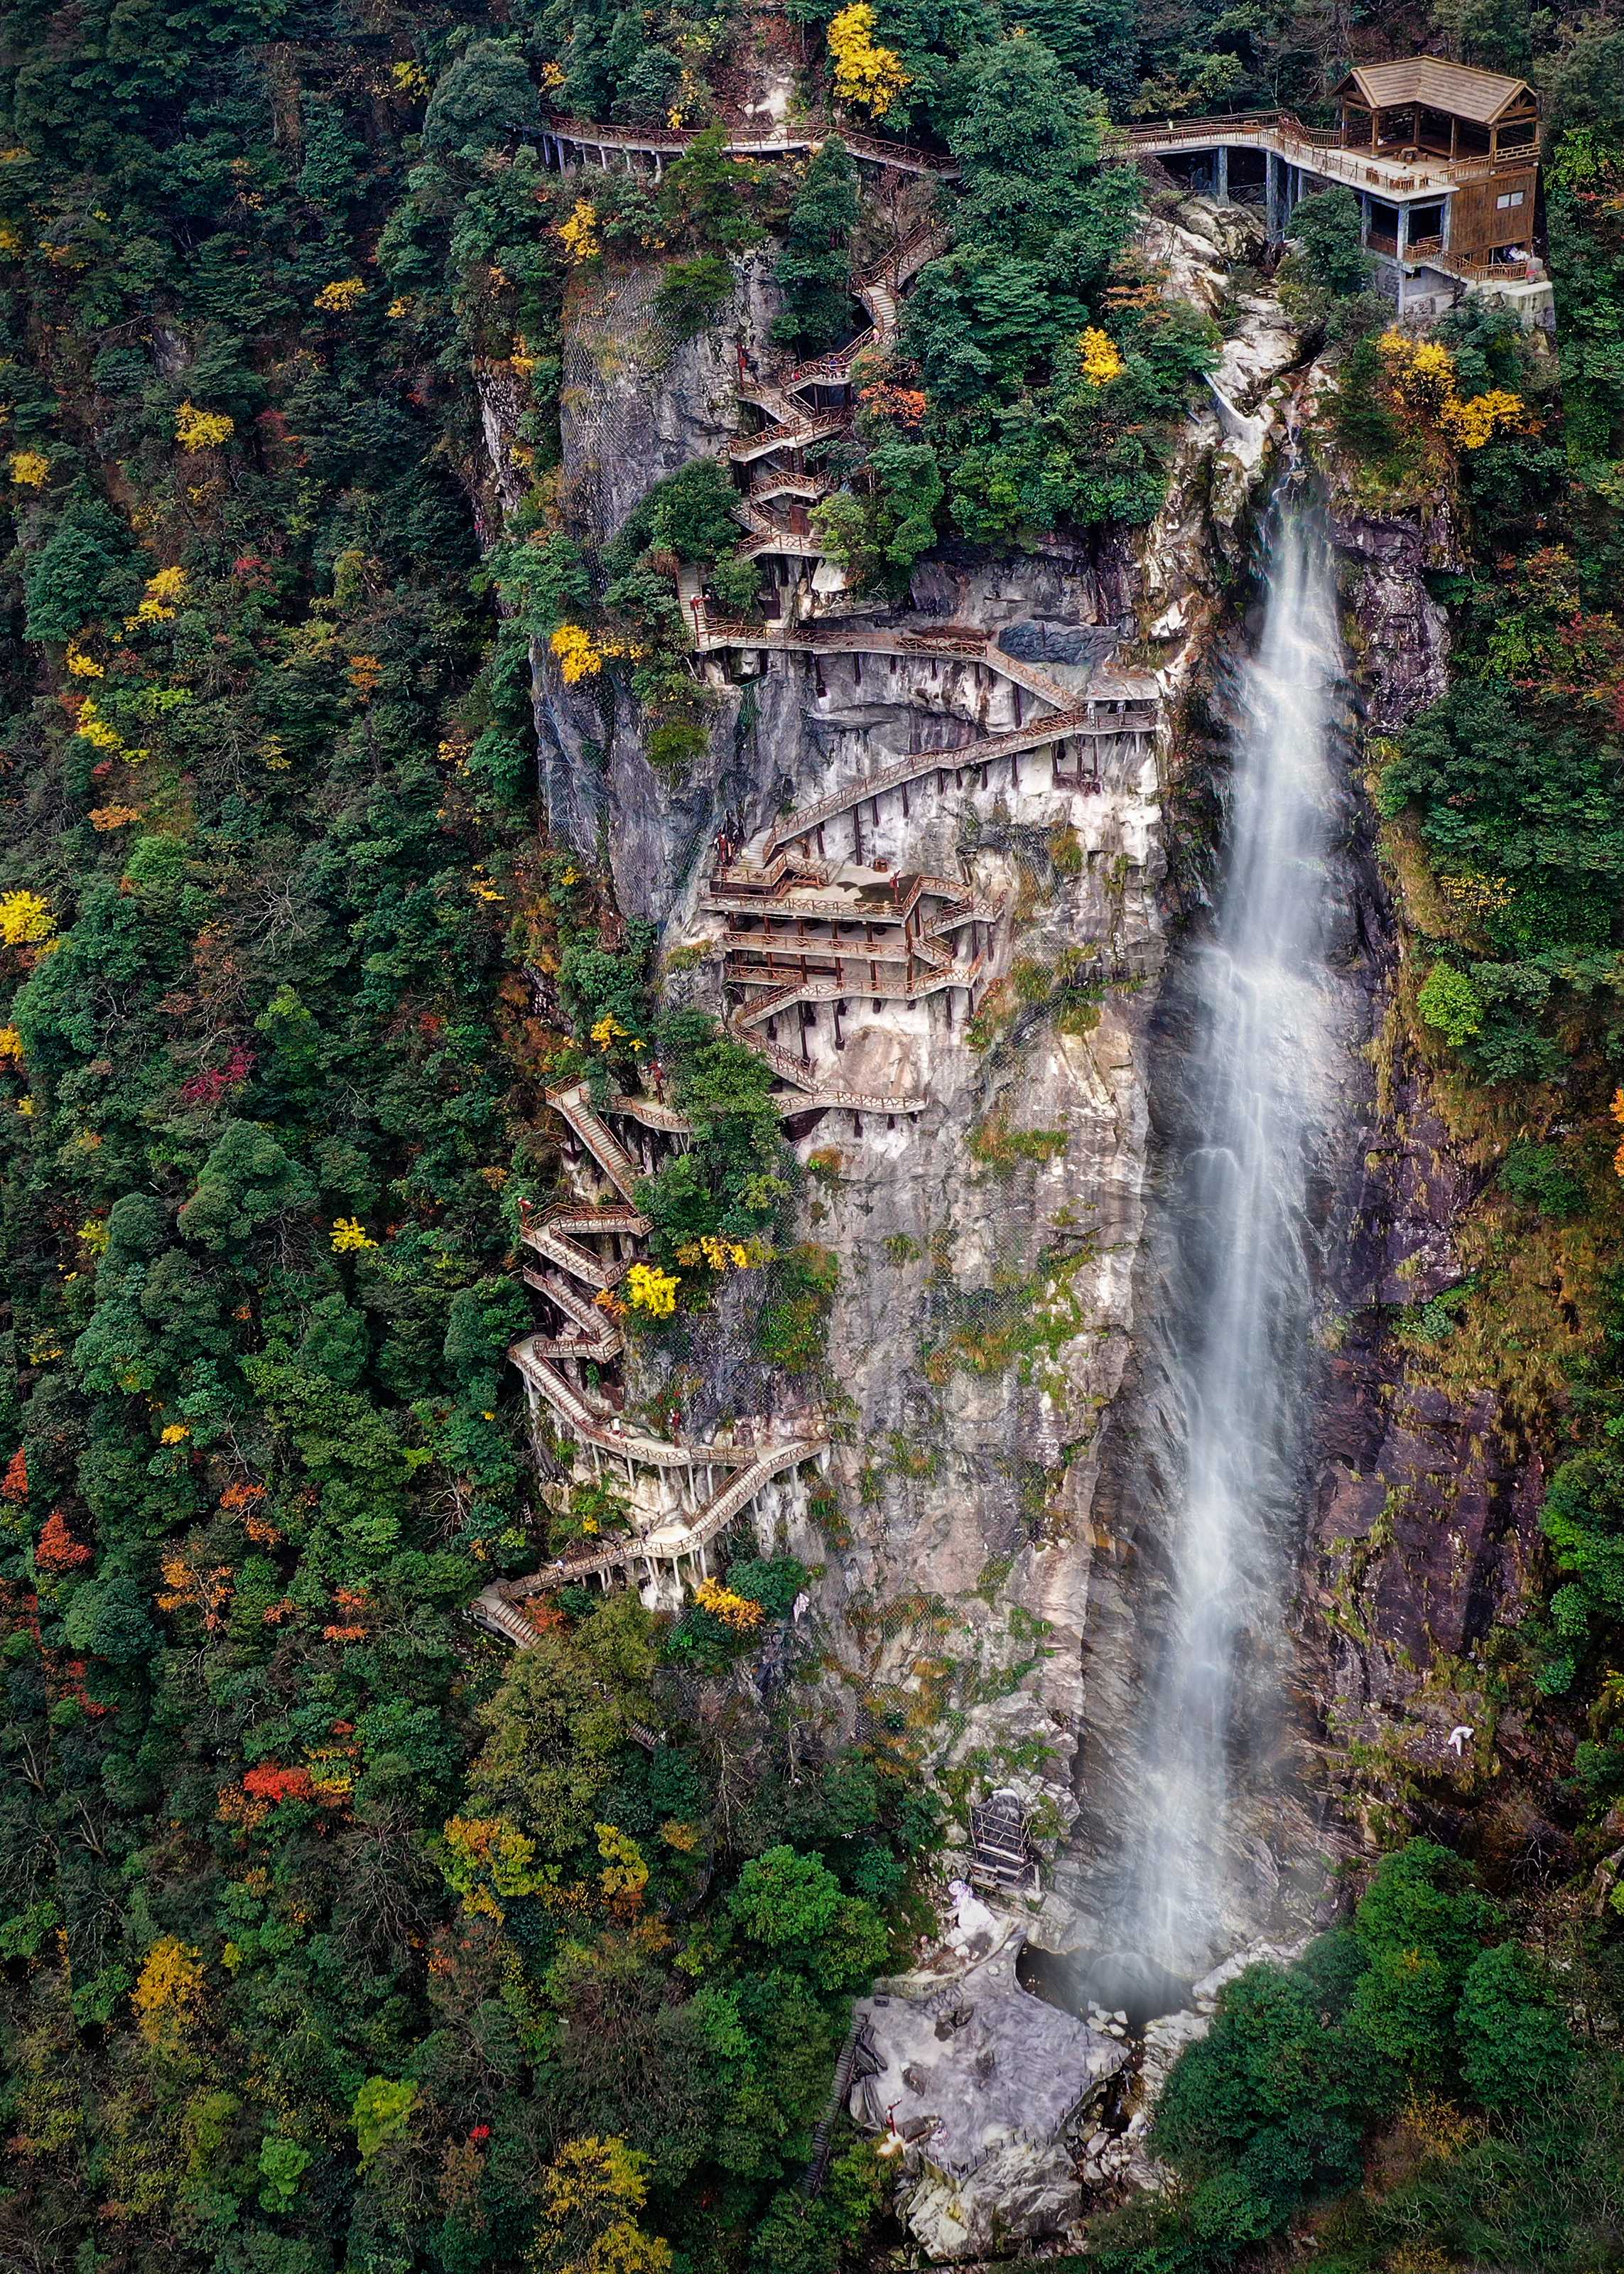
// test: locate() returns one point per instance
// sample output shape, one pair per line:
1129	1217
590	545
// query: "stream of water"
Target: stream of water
1227	1437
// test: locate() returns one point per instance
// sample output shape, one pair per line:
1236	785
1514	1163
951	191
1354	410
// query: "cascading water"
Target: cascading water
1221	1450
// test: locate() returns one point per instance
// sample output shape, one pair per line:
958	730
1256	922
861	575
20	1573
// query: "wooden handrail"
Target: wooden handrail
742	138
1363	161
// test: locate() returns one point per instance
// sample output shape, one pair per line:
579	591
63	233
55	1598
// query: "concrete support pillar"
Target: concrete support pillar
1275	203
1364	216
1221	174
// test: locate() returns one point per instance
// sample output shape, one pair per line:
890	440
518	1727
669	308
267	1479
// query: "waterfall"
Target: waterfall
1223	1446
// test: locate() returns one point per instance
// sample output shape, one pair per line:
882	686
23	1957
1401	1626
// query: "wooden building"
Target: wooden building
1425	107
1477	130
1443	158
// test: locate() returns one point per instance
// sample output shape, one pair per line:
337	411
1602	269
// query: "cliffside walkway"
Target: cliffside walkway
1093	720
947	643
591	1333
584	138
795	425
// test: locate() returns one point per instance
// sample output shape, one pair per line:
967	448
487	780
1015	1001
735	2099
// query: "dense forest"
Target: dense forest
337	1934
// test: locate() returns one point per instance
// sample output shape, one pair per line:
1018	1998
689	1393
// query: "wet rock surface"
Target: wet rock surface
988	2090
1423	1515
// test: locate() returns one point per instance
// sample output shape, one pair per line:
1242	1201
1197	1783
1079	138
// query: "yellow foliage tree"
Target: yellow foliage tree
157	603
1420	371
25	920
722	1254
651	1290
1481	417
201	430
350	1236
591	2195
1098	355
342	295
579	234
735	1611
867	74
578	658
29	468
625	1875
484	1859
92	727
168	1997
1422	376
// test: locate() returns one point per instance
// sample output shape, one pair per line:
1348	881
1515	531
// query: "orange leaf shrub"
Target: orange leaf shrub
57	1549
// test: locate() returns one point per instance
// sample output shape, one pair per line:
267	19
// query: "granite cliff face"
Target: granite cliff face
1426	1496
989	1246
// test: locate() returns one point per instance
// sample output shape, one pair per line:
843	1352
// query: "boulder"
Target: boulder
988	2089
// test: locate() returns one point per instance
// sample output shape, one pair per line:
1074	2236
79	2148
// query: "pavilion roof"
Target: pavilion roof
1459	90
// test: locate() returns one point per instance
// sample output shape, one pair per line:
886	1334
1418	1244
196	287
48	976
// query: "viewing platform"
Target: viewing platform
1443	158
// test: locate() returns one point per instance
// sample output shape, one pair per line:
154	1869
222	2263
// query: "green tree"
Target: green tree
1448	1000
813	268
545	581
1584	1520
1421	1922
86	571
731	1180
694	512
709	198
485	98
786	1900
878	532
1267	2110
247	1182
558	1723
691	294
380	2113
1327	229
1514	2044
1029	140
282	2165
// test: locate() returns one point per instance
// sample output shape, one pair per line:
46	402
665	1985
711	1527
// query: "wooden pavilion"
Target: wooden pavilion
1425	108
